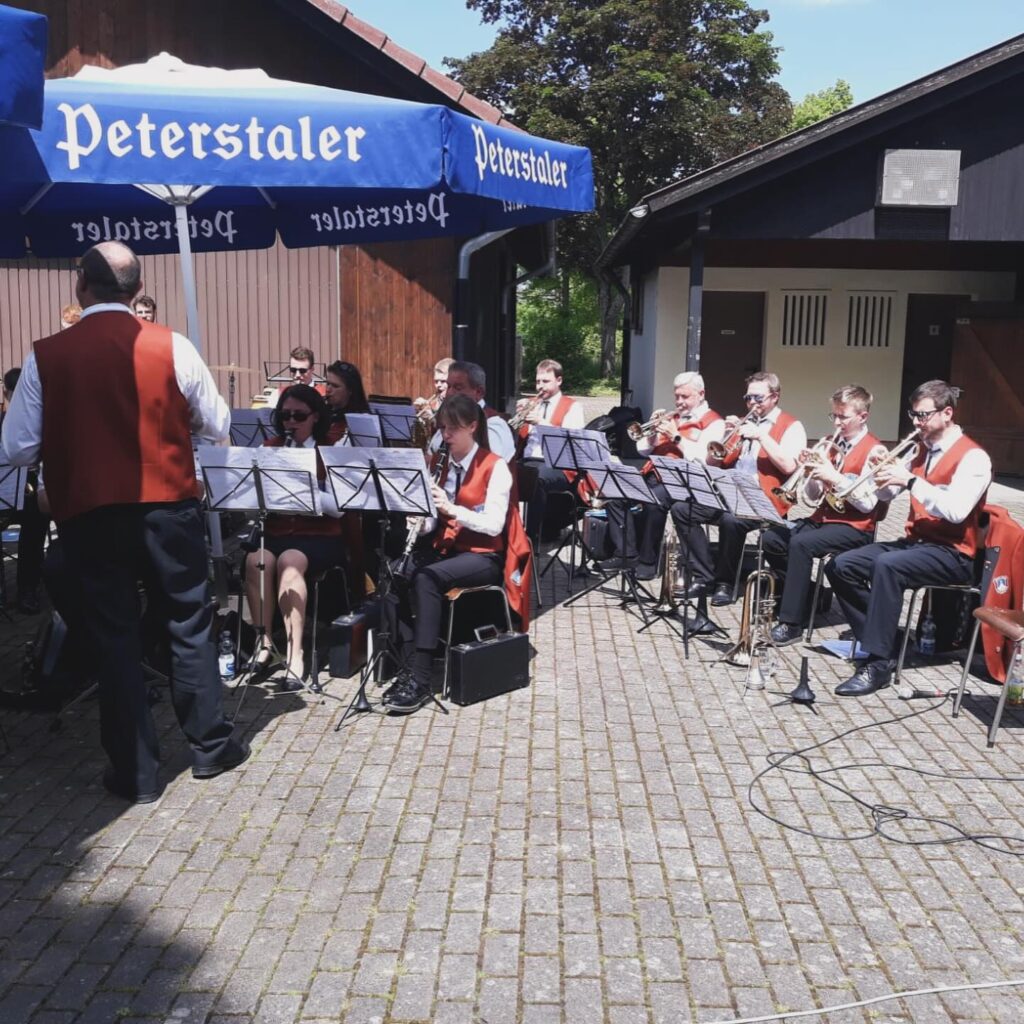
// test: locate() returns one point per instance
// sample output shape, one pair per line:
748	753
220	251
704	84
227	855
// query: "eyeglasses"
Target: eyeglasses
843	417
757	399
295	414
297	370
921	415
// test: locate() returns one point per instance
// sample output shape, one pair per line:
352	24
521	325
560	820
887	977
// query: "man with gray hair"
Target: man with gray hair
682	434
465	378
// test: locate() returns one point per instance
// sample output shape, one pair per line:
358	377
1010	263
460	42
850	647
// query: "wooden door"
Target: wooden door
928	349
731	345
988	363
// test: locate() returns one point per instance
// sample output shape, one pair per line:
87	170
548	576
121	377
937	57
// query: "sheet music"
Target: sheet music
364	431
401	473
626	483
684	478
396	420
287	479
572	448
250	427
759	504
12	487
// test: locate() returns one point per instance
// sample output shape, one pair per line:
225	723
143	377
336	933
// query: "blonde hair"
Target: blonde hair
853	394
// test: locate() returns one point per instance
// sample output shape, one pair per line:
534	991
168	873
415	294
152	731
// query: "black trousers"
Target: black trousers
639	535
109	549
869	583
549	481
791	553
412	613
31	543
732	534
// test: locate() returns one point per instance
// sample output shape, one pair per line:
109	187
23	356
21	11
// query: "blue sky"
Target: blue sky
876	45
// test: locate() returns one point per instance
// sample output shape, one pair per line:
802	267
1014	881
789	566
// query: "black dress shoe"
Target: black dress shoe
119	788
291	683
615	564
407	696
869	678
237	753
645	571
785	633
698	588
722	596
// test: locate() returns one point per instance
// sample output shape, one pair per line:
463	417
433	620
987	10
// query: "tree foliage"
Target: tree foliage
656	89
816	106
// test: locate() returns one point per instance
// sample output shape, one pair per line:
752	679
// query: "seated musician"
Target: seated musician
345	393
549	408
791	549
947	480
441	368
301	362
295	545
472	543
465	378
685	433
768	442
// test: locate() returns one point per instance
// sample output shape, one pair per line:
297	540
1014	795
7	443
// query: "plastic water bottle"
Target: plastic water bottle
1015	682
226	656
926	641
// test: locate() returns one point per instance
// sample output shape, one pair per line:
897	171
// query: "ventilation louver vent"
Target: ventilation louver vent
920	177
803	319
869	319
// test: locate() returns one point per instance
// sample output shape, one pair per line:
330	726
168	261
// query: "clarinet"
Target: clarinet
289	438
416	522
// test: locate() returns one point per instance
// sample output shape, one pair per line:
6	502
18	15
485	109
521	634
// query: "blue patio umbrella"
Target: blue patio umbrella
22	60
170	157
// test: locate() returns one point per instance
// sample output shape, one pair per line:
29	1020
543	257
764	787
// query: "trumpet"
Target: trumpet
878	458
519	417
826	450
637	431
730	444
426	408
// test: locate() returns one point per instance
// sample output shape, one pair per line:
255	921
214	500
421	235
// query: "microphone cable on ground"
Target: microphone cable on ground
881	815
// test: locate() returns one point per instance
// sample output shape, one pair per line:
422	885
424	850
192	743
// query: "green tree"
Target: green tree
816	106
657	89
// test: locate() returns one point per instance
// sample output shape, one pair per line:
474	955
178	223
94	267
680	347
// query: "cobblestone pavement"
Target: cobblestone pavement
584	851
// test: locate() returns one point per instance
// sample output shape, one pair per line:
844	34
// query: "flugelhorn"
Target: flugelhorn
826	450
878	458
636	431
519	417
729	445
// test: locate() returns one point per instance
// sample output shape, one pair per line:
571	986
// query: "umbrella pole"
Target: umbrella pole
188	275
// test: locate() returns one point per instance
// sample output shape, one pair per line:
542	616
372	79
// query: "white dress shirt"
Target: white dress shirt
698	447
953	501
793	442
865	503
573	420
209	416
488	518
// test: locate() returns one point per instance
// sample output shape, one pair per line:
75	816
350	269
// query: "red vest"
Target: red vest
688	429
115	424
1004	565
472	494
280	524
768	474
854	463
921	525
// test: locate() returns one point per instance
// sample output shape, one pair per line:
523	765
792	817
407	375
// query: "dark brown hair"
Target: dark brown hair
462	411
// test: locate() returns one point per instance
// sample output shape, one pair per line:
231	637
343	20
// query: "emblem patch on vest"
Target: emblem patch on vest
1001	584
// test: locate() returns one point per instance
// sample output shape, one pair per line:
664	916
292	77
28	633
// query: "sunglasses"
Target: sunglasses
921	415
757	399
294	414
296	370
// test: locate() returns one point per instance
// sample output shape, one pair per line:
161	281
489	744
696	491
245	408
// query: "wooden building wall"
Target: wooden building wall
386	307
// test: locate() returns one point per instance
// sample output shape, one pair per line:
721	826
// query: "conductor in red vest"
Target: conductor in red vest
947	480
108	406
766	444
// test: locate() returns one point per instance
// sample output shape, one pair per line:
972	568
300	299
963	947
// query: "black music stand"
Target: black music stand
12	501
381	480
259	481
396	421
250	427
687	481
743	497
573	450
616	482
